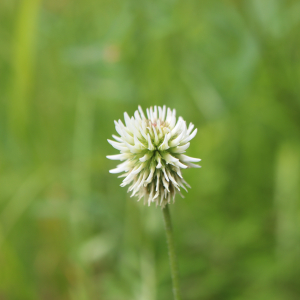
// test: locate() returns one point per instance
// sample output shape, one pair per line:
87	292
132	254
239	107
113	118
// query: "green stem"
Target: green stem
172	256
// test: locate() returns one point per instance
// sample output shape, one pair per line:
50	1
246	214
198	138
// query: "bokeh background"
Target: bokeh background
68	69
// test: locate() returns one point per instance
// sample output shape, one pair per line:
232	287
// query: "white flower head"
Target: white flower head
152	150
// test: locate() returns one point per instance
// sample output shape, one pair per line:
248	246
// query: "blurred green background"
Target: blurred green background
68	69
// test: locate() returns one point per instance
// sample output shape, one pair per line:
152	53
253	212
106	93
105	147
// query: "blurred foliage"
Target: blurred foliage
69	68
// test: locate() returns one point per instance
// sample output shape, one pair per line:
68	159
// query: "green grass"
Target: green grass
68	231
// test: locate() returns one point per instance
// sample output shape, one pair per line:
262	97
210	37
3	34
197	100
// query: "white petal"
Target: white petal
165	183
169	158
136	129
186	158
191	126
173	161
127	120
186	183
181	165
173	119
157	181
150	145
122	156
159	128
180	149
118	146
160	113
151	114
158	157
143	180
132	148
138	169
189	137
148	113
163	113
128	179
150	199
191	165
164	145
165	174
181	185
137	116
117	138
155	135
116	170
146	157
173	180
179	172
169	116
176	129
118	128
135	184
155	196
125	133
176	141
149	179
141	112
155	112
143	131
161	199
138	144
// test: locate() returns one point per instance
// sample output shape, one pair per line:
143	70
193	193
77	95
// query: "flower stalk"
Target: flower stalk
171	250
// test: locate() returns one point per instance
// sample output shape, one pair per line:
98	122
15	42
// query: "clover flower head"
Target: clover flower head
152	149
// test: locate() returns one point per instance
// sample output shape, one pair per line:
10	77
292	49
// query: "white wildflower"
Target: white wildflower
152	150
